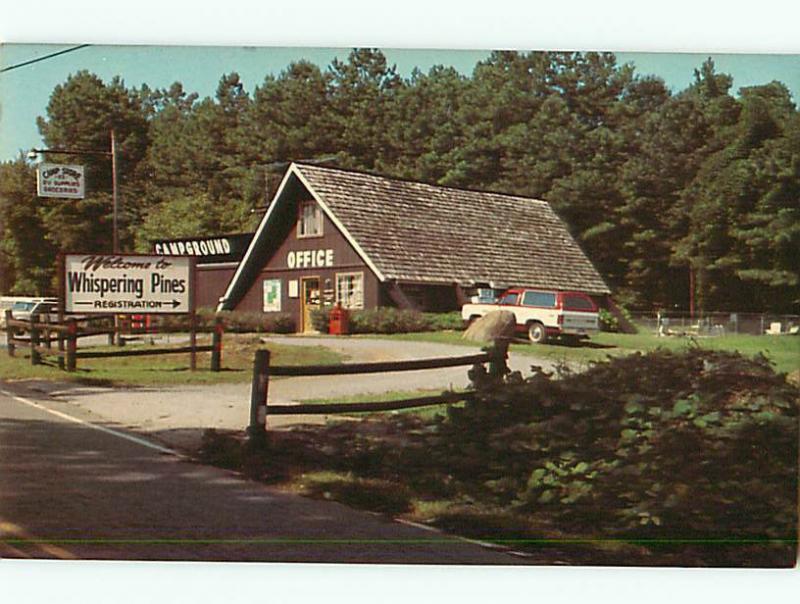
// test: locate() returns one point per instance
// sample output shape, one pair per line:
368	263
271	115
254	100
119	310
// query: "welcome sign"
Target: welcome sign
127	284
58	180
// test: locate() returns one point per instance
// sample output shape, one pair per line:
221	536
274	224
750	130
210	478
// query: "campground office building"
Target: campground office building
337	236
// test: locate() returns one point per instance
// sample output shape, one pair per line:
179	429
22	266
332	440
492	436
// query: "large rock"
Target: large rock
496	324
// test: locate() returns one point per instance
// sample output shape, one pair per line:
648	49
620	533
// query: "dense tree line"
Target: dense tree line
662	189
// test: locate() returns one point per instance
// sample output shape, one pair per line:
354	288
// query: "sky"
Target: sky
24	92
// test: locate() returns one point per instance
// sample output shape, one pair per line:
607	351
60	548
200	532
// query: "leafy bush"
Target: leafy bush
319	319
390	320
387	320
608	322
258	322
700	446
235	321
443	321
692	455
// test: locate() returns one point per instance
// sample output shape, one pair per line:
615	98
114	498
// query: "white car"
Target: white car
23	309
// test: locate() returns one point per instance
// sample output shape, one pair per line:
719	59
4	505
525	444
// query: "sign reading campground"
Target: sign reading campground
127	284
56	180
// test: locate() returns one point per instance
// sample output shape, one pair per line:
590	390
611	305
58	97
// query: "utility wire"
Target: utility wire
50	56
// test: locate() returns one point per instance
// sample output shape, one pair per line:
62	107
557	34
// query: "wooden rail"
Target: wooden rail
380	367
366	407
108	354
496	356
69	331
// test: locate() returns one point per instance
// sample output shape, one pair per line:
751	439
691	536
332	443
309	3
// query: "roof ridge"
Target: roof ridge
417	182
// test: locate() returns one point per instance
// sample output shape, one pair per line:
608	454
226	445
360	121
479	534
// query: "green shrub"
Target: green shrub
668	447
608	322
692	456
388	320
443	321
256	322
319	319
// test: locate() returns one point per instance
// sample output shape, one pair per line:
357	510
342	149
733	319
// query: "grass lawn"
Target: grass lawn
237	364
783	351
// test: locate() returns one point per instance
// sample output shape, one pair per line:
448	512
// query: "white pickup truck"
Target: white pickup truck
543	314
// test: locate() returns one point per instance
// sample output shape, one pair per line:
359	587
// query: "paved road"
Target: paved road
70	490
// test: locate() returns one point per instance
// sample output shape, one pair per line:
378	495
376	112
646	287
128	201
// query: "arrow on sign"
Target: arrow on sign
174	303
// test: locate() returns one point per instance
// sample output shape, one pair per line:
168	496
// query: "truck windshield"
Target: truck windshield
22	306
545	299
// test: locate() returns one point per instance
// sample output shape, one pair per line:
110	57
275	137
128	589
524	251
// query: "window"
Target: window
509	299
544	299
578	302
350	290
309	221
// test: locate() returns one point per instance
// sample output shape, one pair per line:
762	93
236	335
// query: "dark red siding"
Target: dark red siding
345	260
211	284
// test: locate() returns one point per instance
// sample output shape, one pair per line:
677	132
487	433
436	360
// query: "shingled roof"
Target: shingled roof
411	231
417	232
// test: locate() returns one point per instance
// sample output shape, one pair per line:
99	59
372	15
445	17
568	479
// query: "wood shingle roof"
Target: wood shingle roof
417	232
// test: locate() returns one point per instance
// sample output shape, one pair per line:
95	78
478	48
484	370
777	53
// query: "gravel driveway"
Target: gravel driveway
177	415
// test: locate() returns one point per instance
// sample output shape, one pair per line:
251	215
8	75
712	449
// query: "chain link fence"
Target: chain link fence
716	323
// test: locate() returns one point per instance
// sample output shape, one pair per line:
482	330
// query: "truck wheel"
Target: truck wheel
537	333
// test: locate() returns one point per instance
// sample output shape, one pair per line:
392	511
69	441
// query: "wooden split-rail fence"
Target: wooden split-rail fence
496	357
40	333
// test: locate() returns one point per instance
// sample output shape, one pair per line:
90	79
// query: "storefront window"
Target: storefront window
309	223
350	290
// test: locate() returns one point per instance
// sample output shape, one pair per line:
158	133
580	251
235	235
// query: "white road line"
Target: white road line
122	435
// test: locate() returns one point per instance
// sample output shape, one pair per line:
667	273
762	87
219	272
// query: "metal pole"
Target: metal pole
114	191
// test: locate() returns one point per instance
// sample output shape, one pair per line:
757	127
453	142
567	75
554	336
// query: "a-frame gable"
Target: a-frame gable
252	263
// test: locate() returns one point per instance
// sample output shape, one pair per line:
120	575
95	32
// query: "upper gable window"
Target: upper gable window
309	221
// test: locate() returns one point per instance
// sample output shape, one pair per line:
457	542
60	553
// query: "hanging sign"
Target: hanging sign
58	180
127	284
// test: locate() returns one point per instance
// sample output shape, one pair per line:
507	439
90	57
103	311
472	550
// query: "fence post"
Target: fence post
72	343
112	332
257	430
35	357
10	332
498	367
193	340
60	337
216	345
46	331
